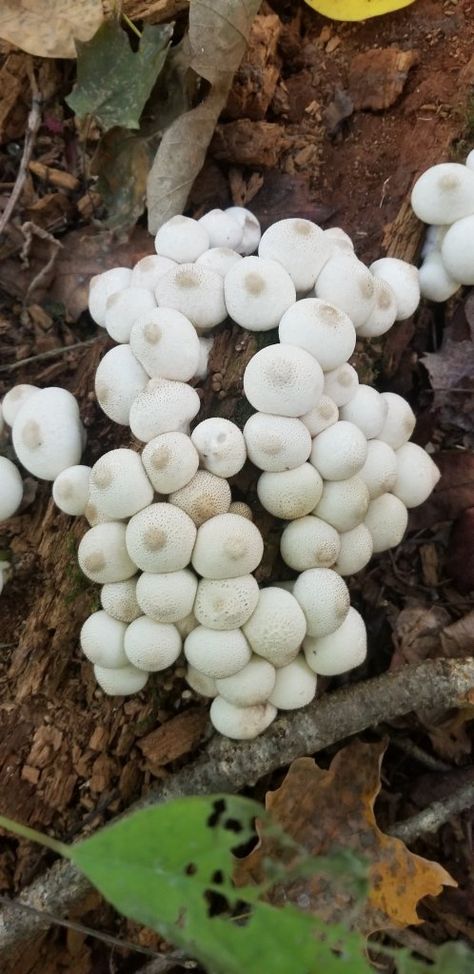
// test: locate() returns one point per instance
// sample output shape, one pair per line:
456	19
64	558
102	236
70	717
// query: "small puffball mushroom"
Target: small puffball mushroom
283	380
205	346
103	555
204	685
170	460
300	247
291	493
197	292
102	640
219	259
165	342
102	286
167	597
339	239
227	546
324	414
380	469
340	651
203	497
94	515
160	538
435	282
164	406
295	686
434	237
123	308
321	329
356	547
341	384
226	603
148	271
346	282
71	489
118	381
277	627
444	193
340	451
417	475
276	443
384	313
386	519
47	434
367	410
403	279
457	250
343	503
223	230
119	485
240	507
120	682
151	646
120	601
14	399
221	446
399	423
324	599
250	227
217	652
11	488
309	542
252	685
182	239
257	293
241	723
470	160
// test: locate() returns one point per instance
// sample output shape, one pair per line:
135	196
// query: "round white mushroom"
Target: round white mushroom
203	497
277	627
283	380
182	239
257	293
324	414
356	547
197	292
324	599
217	652
240	507
119	486
118	381
380	468
120	682
309	542
346	282
102	640
164	406
417	475
384	313
13	401
291	493
219	259
250	227
321	329
241	723
341	650
387	520
227	546
47	433
444	193
151	646
223	229
71	489
148	271
123	308
399	423
166	344
295	686
120	601
11	488
221	446
367	410
276	443
343	503
435	282
226	603
341	384
252	685
103	555
403	280
457	250
204	685
170	460
339	452
160	538
167	597
300	246
338	238
102	286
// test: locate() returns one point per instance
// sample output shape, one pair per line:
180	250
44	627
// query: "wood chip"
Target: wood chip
247	143
179	736
378	77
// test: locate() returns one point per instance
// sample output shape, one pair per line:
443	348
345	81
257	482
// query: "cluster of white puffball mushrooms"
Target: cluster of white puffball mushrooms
174	554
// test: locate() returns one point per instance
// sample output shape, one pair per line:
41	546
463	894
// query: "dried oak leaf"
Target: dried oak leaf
49	28
325	811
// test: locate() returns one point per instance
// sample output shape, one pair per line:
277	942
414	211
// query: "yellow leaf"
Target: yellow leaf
48	28
356	9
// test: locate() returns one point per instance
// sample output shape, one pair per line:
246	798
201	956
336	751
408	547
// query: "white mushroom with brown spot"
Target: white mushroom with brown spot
119	599
219	259
118	381
399	422
403	280
343	503
160	538
341	384
324	599
324	414
148	271
339	239
341	650
257	293
220	445
339	452
321	329
241	723
151	646
197	292
13	400
102	286
217	653
300	246
355	552
11	488
227	546
250	226
167	596
346	282
166	344
170	460
71	489
283	380
223	229
182	239
252	685
384	313
204	685
204	497
292	493
164	406
277	627
119	486
47	433
444	193
102	640
295	685
309	542
123	308
103	555
226	603
276	443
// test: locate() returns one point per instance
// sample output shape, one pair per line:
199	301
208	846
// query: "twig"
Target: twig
30	230
226	766
415	751
33	124
43	356
432	818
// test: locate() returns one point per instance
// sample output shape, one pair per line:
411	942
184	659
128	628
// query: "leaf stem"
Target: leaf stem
25	832
131	25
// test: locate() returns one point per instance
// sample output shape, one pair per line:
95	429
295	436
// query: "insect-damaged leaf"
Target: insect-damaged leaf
49	28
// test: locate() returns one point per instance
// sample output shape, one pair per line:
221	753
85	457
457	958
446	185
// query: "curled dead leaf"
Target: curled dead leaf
49	28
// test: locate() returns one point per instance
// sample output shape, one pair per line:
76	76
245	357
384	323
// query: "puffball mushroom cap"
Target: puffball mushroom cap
240	507
283	380
367	410
324	414
197	292
241	723
151	646
119	485
403	279
340	451
457	250
321	329
123	308
324	599
164	406
219	259
170	460
204	685
276	443
343	503
71	489
148	271
257	293
102	286
399	423
300	247
380	469
341	650
166	344
227	546
118	381
11	488
309	542
221	446
217	652
103	555
120	601
444	193
341	384
346	282
290	494
167	597
252	685
182	239
223	229
295	685
384	313
251	232
47	433
339	239
203	497
226	603
435	282
470	160
356	547
120	682
277	627
160	538
102	640
417	475
13	400
386	519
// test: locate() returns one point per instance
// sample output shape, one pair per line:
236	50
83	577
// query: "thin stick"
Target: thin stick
43	356
434	816
33	124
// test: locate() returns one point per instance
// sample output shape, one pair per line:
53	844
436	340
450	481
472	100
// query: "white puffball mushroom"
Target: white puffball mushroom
399	423
241	723
118	381
251	232
356	547
148	271
120	682
380	468
403	279
339	239
384	313
295	686
470	160
277	627
227	546
300	247
341	384
290	493
205	347
103	555
102	286
444	193
457	250
203	497
170	460
205	686
71	489
47	434
11	488
252	685
219	259
123	308
283	380
197	292
387	520
343	503
217	652
167	597
13	400
182	239
119	486
321	329
324	598
417	475
276	443
223	229
221	446
165	342
346	282
160	538
341	650
102	640
240	507
257	293
226	603
164	406
151	646
340	451
367	410
435	282
309	542
324	414
120	601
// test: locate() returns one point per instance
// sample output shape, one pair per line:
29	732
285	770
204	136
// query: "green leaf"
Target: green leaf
114	82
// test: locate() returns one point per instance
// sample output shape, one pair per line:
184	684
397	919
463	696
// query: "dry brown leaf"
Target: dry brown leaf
458	640
325	811
48	28
417	635
454	492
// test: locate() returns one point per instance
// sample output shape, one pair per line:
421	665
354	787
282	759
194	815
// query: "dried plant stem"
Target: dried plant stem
434	816
51	353
33	124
